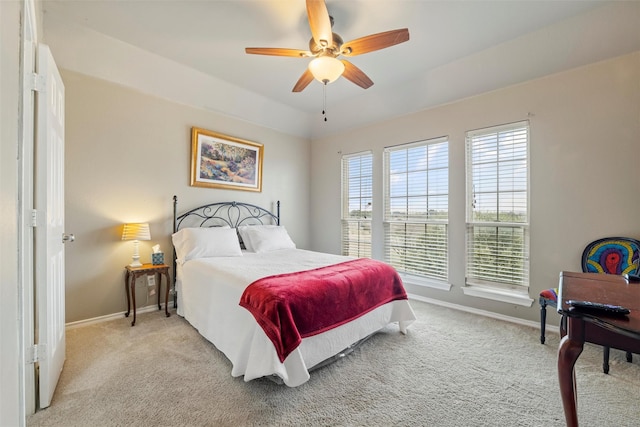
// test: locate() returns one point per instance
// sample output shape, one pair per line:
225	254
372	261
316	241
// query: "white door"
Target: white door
26	240
49	197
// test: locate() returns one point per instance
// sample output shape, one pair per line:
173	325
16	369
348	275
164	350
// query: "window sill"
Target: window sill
423	281
511	297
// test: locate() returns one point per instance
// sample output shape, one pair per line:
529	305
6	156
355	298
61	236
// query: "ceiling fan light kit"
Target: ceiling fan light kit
325	46
326	69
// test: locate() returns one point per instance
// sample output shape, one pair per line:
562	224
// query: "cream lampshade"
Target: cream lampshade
326	69
136	232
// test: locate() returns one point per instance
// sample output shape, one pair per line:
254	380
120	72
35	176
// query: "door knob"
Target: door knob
68	238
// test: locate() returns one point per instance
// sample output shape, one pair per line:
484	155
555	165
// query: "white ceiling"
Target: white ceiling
456	48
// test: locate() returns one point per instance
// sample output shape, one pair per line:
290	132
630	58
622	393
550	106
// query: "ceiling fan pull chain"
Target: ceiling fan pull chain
324	100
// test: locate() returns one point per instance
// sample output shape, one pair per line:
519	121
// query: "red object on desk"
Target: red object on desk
621	332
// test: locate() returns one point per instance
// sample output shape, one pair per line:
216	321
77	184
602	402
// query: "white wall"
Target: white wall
127	154
10	414
583	165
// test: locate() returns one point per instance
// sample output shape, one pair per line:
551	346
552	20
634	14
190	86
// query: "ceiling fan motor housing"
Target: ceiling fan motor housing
320	49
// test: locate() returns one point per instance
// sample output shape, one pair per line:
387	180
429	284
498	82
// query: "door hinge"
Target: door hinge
37	82
36	353
34	218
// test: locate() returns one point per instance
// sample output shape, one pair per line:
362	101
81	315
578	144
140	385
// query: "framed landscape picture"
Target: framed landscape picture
222	161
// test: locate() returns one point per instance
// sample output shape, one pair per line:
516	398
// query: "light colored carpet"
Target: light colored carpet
452	369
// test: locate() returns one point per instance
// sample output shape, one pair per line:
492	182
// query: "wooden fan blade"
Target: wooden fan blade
375	42
275	51
320	22
303	81
356	75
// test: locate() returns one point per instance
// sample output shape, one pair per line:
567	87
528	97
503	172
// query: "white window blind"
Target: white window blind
357	194
497	231
416	198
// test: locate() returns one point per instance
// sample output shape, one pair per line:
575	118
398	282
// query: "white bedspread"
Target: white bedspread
209	290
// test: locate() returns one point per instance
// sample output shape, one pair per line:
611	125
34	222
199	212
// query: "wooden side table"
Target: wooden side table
132	273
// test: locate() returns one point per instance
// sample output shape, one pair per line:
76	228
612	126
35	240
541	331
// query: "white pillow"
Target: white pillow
263	238
191	243
245	232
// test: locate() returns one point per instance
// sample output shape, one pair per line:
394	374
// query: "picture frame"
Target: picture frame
223	161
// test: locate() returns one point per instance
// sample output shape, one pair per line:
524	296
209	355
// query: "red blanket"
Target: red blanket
293	306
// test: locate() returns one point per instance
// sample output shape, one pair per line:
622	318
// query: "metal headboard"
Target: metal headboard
219	214
233	214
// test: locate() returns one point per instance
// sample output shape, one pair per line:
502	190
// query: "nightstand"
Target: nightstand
132	273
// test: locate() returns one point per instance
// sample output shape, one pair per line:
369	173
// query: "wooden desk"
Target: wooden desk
130	285
617	332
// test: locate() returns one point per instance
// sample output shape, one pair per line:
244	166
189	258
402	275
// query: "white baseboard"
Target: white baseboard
114	316
511	319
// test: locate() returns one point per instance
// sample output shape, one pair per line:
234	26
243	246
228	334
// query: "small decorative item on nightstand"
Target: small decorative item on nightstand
157	258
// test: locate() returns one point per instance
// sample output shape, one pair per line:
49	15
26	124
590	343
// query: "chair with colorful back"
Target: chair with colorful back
609	255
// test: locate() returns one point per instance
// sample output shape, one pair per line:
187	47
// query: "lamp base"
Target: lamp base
136	255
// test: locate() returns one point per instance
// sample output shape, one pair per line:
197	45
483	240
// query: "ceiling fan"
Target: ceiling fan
325	46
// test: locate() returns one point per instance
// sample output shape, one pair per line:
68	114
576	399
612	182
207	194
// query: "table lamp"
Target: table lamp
136	232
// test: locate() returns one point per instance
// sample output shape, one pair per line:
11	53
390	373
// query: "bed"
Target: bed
239	281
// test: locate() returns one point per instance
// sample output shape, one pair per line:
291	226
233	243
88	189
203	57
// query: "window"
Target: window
497	231
416	210
357	193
